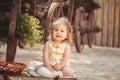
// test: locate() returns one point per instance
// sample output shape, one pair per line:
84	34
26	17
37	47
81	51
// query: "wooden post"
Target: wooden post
32	7
70	11
12	41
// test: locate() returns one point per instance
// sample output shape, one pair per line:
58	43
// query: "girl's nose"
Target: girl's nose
58	31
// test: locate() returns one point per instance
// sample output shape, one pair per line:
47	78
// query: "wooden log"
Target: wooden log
119	28
12	41
21	77
99	23
32	7
111	23
116	27
105	24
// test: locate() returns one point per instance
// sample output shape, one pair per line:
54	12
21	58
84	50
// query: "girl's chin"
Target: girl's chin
58	40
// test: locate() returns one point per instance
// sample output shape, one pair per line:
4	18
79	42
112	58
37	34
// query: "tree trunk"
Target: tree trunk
32	7
12	41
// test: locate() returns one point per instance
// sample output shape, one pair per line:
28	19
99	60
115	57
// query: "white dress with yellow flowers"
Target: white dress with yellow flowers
56	52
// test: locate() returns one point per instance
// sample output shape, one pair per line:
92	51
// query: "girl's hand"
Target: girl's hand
57	67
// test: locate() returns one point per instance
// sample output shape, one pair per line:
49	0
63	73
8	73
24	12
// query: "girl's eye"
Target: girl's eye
56	30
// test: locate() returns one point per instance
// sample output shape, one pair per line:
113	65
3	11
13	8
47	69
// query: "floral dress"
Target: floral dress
56	52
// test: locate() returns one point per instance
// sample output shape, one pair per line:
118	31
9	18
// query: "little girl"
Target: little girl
56	52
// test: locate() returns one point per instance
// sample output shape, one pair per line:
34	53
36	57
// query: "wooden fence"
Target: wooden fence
108	19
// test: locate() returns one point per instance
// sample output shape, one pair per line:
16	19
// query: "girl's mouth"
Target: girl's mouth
58	36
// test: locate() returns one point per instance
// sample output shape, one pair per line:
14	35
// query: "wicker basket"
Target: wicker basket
11	68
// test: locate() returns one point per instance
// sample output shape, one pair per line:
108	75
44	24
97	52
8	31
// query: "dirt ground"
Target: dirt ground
97	63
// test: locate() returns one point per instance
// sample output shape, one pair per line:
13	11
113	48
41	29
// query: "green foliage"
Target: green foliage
28	28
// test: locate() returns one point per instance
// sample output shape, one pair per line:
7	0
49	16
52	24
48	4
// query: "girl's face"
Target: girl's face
59	33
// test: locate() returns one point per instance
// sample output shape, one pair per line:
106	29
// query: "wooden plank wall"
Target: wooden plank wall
108	19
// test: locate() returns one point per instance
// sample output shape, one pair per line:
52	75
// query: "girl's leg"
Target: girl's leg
44	72
37	67
67	71
33	72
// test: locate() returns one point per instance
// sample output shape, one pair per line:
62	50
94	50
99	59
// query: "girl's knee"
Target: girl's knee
68	71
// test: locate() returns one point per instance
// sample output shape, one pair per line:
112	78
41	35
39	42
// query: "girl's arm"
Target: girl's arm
66	56
46	57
